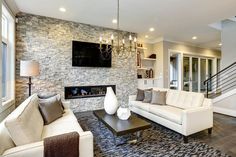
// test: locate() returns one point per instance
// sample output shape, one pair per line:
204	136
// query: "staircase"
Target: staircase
221	88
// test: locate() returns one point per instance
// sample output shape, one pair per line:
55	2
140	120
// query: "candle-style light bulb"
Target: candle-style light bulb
100	39
130	37
135	39
123	41
112	37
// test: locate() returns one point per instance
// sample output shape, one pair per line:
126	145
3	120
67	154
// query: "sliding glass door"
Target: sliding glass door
195	74
203	75
195	71
186	73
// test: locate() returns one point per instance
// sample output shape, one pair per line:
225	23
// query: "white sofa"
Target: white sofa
67	123
185	112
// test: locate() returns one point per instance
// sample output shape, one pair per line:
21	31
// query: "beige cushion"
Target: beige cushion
184	100
168	112
68	116
140	105
25	123
67	123
50	109
5	139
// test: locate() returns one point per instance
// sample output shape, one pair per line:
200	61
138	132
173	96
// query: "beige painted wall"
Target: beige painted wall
157	49
162	50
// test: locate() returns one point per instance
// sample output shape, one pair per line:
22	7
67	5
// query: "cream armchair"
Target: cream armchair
67	123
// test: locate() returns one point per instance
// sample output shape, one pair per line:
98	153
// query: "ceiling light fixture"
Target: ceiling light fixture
194	37
114	21
151	29
119	47
62	9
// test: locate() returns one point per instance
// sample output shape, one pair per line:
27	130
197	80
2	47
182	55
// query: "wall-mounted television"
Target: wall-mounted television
85	54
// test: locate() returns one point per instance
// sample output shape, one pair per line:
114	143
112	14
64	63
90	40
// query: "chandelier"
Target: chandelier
119	47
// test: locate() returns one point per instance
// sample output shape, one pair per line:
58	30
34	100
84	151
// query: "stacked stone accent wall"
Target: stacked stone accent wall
49	41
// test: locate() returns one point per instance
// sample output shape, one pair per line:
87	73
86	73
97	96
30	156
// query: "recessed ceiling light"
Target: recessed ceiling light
62	9
151	29
114	21
194	37
146	36
220	44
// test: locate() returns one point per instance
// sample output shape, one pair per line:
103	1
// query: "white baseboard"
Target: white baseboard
225	111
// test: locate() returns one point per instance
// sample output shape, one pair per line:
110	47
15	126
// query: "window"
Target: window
4	57
4	70
8	54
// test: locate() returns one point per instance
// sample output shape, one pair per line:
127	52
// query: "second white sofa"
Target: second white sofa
185	112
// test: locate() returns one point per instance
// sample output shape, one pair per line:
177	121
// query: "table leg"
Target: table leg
114	140
139	135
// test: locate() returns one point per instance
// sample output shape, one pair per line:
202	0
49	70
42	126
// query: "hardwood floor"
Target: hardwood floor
223	135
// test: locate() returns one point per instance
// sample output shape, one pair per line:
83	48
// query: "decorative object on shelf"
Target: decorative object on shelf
119	48
153	56
123	113
110	102
140	45
139	59
147	73
28	69
139	76
151	75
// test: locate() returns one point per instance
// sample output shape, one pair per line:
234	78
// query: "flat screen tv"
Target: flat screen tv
85	54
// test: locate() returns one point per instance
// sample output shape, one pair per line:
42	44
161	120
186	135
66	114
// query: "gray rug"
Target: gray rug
157	141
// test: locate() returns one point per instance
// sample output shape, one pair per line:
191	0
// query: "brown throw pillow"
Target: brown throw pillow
159	97
47	95
50	109
140	94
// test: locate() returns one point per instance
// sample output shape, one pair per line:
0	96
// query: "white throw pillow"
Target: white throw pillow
25	124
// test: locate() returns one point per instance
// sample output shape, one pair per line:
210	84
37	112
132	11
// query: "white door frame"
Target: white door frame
180	64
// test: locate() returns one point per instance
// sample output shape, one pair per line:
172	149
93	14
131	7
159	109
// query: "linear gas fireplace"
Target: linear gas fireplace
76	92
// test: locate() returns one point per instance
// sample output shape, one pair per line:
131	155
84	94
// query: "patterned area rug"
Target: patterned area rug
157	141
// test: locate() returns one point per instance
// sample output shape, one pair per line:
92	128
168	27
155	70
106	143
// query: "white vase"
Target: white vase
110	102
123	113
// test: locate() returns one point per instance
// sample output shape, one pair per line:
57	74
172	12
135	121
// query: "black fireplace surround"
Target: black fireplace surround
76	92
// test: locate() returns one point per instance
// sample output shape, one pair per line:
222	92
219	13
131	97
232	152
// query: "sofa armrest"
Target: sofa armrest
207	102
132	97
66	104
86	144
197	119
27	150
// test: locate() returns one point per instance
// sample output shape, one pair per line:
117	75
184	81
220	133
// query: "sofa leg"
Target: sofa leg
185	139
210	131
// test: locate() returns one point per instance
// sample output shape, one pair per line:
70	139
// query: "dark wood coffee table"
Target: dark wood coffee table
122	127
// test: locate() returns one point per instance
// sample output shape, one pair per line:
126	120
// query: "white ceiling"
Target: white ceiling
175	20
